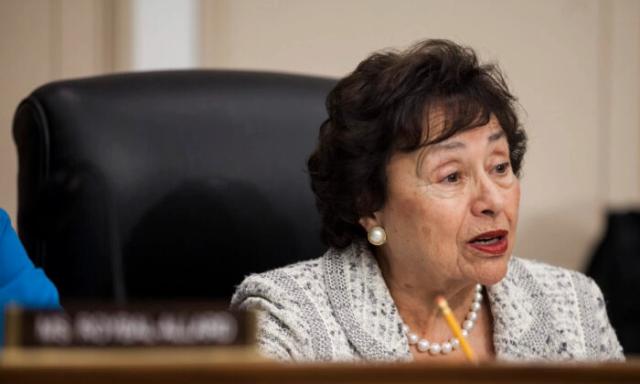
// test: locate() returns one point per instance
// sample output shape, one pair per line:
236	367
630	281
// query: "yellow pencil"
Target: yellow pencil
455	328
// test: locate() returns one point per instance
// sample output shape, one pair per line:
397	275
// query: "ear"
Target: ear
373	220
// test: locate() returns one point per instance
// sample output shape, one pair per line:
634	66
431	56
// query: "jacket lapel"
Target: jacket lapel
363	305
522	322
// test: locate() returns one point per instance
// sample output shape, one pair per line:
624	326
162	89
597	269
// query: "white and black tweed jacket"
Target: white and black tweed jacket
338	307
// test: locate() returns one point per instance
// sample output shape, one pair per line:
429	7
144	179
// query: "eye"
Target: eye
452	178
502	168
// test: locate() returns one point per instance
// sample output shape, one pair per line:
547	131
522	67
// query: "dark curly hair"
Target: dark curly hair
382	107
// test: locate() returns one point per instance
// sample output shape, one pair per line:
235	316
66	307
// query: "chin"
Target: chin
492	271
491	280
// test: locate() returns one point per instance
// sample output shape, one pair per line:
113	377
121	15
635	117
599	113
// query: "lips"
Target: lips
492	242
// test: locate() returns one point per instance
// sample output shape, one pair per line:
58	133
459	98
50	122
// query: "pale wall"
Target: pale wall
574	65
41	41
165	34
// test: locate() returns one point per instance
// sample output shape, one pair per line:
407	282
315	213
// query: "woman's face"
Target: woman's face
451	210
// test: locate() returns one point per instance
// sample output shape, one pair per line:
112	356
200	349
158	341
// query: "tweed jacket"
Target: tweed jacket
338	308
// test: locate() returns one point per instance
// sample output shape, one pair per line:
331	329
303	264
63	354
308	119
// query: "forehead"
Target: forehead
482	135
445	118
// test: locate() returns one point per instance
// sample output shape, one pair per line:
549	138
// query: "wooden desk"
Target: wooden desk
182	370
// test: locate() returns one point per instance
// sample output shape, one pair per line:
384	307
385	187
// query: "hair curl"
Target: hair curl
382	107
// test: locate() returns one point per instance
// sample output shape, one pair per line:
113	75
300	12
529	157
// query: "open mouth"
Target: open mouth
493	242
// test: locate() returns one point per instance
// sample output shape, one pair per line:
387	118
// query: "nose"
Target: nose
487	198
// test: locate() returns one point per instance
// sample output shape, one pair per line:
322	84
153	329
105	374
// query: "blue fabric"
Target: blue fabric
20	282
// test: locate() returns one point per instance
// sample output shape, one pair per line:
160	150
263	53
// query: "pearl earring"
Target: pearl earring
377	236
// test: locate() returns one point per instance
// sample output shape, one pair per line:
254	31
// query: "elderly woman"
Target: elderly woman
416	179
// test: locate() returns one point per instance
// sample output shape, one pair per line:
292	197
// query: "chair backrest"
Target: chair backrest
615	266
170	184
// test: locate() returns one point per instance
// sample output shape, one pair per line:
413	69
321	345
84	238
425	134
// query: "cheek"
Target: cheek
414	211
441	220
513	201
412	215
424	220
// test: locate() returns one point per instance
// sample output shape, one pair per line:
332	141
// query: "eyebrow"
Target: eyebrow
450	146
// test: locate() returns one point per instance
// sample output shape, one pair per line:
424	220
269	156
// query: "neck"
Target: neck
416	301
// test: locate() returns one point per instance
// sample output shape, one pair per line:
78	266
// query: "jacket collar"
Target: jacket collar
364	308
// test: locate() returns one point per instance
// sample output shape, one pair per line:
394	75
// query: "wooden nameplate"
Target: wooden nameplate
160	333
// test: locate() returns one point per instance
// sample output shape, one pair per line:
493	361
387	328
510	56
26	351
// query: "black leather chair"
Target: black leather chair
615	266
168	184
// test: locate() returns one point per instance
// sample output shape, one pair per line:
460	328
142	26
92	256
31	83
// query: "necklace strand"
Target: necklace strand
423	345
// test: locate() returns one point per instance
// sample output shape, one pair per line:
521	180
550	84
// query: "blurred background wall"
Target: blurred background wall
574	64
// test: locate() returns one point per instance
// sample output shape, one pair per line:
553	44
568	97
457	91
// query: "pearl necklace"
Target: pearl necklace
423	345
